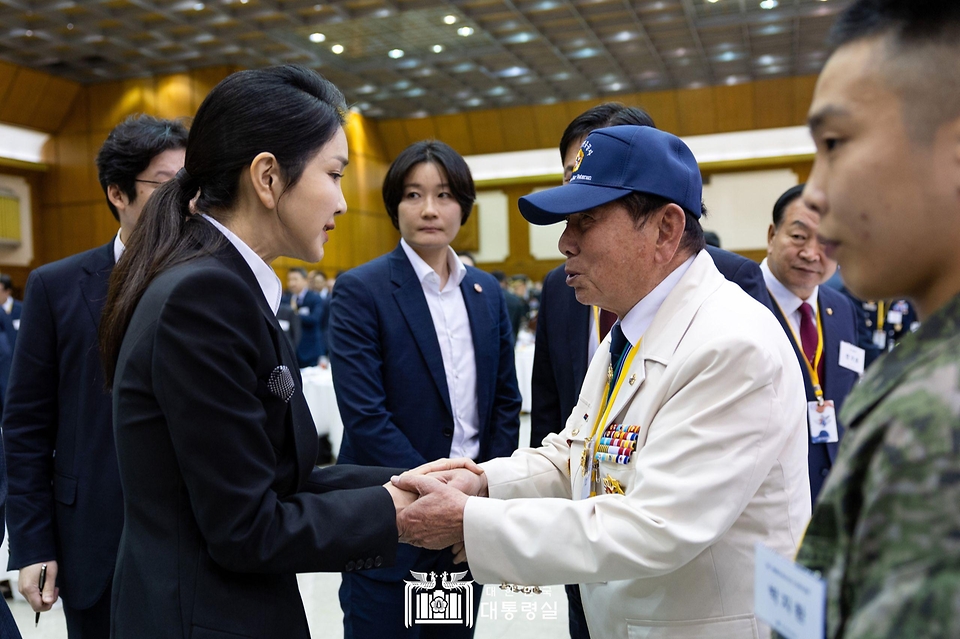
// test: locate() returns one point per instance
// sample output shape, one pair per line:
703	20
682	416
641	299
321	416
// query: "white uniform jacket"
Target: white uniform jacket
721	464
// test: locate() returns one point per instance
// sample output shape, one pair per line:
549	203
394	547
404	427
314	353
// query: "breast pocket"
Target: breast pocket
732	627
616	458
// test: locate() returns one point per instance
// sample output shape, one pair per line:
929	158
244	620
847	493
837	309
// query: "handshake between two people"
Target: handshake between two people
430	501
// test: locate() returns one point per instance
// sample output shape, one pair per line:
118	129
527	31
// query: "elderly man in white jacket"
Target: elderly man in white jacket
688	444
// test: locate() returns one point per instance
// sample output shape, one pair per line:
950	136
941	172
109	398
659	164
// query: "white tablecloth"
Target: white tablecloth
322	400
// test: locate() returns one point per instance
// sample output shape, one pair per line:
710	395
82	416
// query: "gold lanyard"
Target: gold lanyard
811	368
609	398
881	318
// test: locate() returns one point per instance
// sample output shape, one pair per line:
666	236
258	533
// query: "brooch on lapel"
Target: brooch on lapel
281	383
478	288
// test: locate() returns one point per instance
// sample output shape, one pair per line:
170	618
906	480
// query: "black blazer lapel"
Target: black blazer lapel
300	421
484	326
95	282
413	305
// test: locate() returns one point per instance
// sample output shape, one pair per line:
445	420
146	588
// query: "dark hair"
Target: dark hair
289	111
6	283
500	276
711	239
923	38
641	205
298	269
129	149
435	152
784	201
599	117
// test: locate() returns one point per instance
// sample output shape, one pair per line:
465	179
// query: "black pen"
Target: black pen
43	579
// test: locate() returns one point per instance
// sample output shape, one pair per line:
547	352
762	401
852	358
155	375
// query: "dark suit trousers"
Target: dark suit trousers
92	622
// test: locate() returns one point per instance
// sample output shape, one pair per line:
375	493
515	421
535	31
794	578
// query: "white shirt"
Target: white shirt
8	305
638	319
118	248
452	323
786	300
266	278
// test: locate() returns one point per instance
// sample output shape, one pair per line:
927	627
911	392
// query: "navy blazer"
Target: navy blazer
839	317
224	505
313	315
388	371
67	506
8	628
563	323
8	339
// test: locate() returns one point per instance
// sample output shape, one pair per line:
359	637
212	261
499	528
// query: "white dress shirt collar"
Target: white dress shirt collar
638	319
118	248
788	302
424	271
266	277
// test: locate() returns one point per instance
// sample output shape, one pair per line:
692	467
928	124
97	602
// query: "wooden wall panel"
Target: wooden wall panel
421	129
488	125
774	103
551	120
698	112
394	135
175	96
77	119
7	74
735	106
519	128
452	129
54	103
803	87
22	97
662	107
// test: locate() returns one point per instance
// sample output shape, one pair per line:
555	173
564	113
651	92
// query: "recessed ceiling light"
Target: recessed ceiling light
395	53
199	6
465	31
449	19
70	25
769	4
28	33
437	48
766	60
317	37
713	1
317	7
337	48
472	102
512	72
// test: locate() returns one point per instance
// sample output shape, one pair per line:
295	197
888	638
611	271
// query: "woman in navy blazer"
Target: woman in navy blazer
216	447
403	345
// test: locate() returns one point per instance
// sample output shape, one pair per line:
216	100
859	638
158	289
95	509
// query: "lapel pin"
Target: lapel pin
478	288
633	379
829	311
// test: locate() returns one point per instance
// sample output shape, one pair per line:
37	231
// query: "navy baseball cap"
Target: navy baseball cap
618	160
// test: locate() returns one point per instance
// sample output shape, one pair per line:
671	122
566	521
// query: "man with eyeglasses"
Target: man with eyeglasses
65	506
820	322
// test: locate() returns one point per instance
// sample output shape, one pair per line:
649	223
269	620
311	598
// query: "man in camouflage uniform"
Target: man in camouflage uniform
885	534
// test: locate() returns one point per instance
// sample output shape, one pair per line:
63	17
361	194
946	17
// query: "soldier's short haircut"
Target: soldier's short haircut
919	62
298	269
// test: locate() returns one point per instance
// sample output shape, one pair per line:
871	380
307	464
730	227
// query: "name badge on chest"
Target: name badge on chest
788	597
822	419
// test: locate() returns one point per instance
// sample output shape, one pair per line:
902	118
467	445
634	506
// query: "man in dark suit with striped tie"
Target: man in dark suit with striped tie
820	321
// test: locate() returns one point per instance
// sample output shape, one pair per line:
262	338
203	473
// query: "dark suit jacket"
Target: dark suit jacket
67	506
8	340
388	372
840	325
8	628
313	315
224	504
563	324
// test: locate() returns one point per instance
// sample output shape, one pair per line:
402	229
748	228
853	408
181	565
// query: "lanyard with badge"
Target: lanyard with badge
821	413
588	464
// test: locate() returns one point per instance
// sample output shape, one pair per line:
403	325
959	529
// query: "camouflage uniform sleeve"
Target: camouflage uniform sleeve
903	577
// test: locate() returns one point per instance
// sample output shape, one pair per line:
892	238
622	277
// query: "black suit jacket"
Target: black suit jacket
224	505
563	323
839	317
67	507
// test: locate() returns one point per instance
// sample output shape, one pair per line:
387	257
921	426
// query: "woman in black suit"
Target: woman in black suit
216	446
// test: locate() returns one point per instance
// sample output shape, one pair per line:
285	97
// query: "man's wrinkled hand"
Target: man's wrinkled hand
435	520
440	465
29	586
